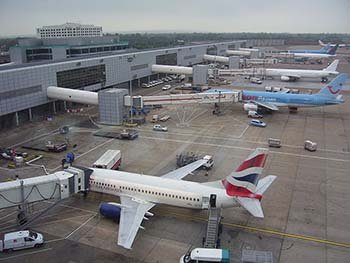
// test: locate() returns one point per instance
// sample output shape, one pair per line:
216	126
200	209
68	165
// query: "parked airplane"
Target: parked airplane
333	45
324	52
328	95
295	74
139	193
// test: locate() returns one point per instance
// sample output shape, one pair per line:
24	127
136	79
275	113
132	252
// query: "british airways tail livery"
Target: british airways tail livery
139	193
328	95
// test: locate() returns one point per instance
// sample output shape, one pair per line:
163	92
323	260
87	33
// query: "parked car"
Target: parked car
155	118
160	128
166	87
257	123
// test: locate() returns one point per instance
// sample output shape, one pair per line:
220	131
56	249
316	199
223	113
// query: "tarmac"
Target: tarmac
307	212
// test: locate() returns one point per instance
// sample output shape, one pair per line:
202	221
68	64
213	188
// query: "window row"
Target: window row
145	191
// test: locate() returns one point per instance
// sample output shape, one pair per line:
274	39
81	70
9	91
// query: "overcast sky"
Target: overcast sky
21	17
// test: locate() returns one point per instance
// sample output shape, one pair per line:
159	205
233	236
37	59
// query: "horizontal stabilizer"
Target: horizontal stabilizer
264	183
252	205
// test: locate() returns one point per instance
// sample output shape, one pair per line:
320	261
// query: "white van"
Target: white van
254	114
21	240
255	80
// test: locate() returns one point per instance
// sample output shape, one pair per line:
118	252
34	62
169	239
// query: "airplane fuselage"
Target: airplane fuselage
289	100
158	190
271	72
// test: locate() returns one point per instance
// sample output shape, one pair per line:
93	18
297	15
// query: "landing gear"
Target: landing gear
325	79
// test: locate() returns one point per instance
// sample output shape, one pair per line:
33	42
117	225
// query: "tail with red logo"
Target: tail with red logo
244	183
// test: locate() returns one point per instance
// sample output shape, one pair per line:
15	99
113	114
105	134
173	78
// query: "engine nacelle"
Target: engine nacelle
285	78
250	107
110	210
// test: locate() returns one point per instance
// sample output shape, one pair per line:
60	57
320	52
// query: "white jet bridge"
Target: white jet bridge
54	187
192	98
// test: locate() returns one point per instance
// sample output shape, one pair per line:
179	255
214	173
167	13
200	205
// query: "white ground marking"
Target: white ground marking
83	224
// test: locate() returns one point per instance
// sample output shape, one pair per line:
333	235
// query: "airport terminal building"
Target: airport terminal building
23	86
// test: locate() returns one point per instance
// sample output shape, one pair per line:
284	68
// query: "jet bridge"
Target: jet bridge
56	186
176	99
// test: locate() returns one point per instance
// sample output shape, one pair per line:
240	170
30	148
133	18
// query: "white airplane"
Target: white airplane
139	193
333	45
295	74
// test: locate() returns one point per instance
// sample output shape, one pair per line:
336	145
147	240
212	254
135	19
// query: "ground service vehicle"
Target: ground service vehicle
159	127
111	159
274	142
255	80
56	147
165	118
257	123
155	118
203	255
21	240
166	87
254	114
310	146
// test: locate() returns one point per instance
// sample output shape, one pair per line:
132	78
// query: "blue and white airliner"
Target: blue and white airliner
328	95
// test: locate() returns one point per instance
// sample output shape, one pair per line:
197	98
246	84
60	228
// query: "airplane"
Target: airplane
295	74
328	95
332	45
324	52
139	193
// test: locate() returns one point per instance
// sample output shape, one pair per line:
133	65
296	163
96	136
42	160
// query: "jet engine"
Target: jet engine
285	78
110	210
250	107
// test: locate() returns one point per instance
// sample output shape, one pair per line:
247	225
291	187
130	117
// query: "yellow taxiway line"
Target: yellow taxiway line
265	231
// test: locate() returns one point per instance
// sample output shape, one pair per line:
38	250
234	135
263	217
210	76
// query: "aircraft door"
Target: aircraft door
205	202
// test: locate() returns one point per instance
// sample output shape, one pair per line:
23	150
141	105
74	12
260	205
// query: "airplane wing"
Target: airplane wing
266	105
180	173
132	213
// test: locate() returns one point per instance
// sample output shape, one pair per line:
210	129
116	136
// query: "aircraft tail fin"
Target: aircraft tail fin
332	50
333	88
245	178
333	66
321	43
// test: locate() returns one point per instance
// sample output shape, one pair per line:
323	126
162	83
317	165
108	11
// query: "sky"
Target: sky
21	17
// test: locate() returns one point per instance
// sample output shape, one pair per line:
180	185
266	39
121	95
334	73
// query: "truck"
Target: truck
21	240
201	255
56	147
189	157
111	159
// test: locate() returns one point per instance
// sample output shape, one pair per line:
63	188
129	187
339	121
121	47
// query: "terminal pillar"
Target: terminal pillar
200	75
233	62
54	107
30	114
17	118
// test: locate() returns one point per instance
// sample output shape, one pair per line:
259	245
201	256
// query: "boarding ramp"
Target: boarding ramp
213	227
